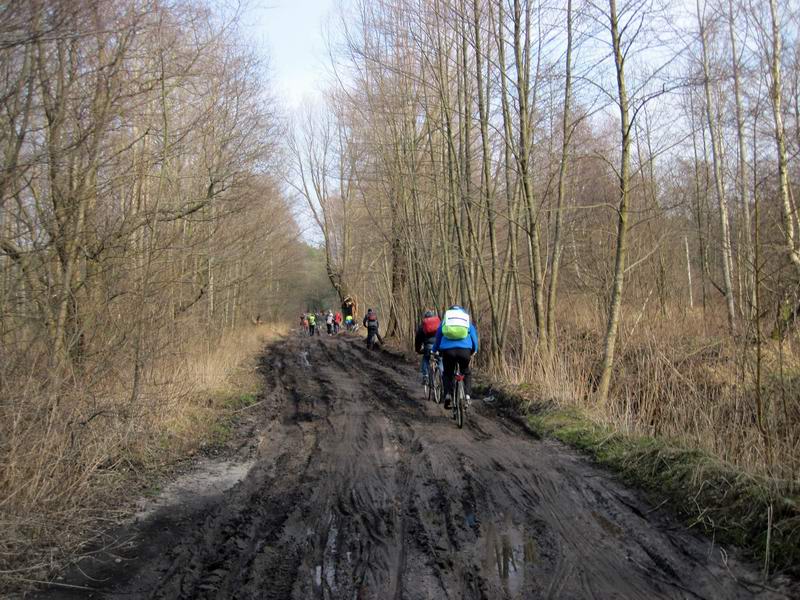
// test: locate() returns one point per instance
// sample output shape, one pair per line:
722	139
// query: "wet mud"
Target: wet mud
361	489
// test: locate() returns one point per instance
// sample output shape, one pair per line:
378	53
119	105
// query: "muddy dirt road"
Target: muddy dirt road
363	490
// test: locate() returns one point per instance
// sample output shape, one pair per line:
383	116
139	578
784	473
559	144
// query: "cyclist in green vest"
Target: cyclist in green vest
312	323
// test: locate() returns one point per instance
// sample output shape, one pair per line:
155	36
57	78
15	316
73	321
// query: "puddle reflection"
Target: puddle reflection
507	553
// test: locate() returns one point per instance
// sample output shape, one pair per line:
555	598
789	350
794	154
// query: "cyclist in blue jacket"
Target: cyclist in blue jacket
456	341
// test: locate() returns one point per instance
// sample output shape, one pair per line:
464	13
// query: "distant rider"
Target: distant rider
424	340
457	341
371	323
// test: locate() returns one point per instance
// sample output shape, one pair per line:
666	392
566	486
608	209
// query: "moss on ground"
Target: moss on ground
722	500
240	401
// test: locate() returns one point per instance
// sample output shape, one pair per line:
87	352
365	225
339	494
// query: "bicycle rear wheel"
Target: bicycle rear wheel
460	404
436	385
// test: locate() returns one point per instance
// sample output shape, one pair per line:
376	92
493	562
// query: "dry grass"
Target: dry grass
681	378
68	455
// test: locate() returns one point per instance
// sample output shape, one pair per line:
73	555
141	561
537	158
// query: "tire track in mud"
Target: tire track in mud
363	490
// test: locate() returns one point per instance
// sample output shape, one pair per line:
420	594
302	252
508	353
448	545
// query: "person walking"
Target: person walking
312	323
337	322
329	322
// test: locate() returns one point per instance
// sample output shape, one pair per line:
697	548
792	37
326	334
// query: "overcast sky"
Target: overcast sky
290	32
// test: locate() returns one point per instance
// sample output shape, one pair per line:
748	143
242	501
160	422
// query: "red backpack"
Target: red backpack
430	325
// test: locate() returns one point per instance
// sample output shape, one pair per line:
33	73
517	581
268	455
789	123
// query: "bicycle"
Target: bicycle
433	385
459	399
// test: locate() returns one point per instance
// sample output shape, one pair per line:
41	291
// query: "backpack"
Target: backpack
430	325
456	324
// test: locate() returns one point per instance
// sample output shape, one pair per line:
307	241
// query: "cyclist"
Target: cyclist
312	323
348	323
371	323
457	341
424	339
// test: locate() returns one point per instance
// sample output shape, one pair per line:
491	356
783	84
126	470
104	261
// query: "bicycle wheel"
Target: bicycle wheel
427	391
460	404
436	385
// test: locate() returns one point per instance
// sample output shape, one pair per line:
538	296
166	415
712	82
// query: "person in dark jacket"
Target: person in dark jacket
423	341
371	323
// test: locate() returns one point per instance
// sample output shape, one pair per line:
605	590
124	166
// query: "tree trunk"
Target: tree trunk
562	175
622	225
788	210
716	154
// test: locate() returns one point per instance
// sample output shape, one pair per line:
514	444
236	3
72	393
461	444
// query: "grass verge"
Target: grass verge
760	516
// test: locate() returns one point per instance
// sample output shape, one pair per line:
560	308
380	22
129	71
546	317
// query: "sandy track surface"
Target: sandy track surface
361	489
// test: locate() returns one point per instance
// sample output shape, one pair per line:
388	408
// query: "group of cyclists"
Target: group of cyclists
312	322
452	340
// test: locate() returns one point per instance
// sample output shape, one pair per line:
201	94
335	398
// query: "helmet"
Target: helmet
429	313
455	307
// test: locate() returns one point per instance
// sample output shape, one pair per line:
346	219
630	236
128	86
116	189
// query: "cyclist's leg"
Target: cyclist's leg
449	370
463	356
425	366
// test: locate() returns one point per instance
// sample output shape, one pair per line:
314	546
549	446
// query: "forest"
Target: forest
607	187
143	230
